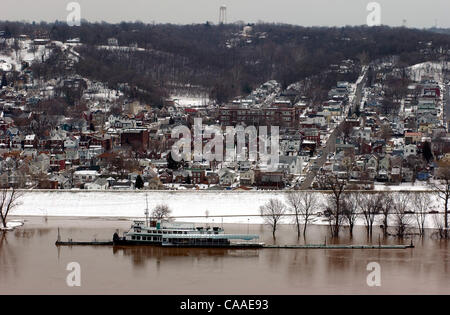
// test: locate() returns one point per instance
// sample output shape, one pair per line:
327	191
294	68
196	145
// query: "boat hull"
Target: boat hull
123	242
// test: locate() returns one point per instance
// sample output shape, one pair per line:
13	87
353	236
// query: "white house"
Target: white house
291	164
71	143
99	184
362	133
226	177
84	176
317	120
409	149
113	41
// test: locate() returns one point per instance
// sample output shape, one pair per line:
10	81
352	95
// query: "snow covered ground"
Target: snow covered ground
191	101
417	186
132	203
24	53
122	48
11	225
226	207
429	68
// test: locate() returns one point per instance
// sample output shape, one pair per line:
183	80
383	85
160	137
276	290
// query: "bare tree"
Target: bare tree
370	205
273	212
439	224
422	203
386	210
344	130
350	209
16	47
402	216
33	48
302	203
161	212
441	186
9	199
385	132
334	200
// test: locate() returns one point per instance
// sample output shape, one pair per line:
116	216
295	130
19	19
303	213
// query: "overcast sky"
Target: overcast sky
418	13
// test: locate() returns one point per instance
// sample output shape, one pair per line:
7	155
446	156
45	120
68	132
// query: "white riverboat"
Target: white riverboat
177	234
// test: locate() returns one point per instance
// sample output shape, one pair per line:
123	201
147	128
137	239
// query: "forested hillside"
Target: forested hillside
223	60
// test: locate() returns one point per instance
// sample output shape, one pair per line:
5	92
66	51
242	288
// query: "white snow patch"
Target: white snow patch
187	206
190	101
14	223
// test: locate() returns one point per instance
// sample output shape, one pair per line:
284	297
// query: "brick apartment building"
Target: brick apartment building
282	116
137	138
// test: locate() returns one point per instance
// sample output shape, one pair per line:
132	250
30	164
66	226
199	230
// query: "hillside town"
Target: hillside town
386	128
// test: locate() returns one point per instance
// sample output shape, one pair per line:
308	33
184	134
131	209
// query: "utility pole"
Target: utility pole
146	211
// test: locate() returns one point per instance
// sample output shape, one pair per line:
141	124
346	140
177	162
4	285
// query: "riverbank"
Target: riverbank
189	206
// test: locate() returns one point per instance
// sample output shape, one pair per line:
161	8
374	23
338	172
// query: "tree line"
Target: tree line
396	214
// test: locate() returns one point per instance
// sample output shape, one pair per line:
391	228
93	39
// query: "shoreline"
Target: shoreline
378	188
212	207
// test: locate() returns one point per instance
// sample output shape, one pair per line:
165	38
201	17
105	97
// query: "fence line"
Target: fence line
192	191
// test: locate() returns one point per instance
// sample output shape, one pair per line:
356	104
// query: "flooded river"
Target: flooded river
31	263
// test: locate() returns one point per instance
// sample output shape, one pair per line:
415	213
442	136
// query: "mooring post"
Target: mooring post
59	236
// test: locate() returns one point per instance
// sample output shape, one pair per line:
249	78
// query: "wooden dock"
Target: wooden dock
253	246
78	243
337	246
96	242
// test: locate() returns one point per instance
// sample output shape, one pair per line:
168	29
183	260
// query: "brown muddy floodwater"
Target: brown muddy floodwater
30	263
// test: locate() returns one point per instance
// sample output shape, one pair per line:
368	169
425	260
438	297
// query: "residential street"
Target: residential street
331	142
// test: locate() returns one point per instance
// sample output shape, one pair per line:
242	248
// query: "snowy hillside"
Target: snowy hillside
26	52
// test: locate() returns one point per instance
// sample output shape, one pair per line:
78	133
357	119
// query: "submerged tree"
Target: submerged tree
386	210
402	215
441	186
439	225
422	203
370	205
9	199
350	209
273	212
334	200
301	203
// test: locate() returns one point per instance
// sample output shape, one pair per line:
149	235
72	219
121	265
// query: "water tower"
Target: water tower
223	14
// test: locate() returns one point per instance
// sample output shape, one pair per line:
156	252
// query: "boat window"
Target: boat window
133	237
144	238
138	238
